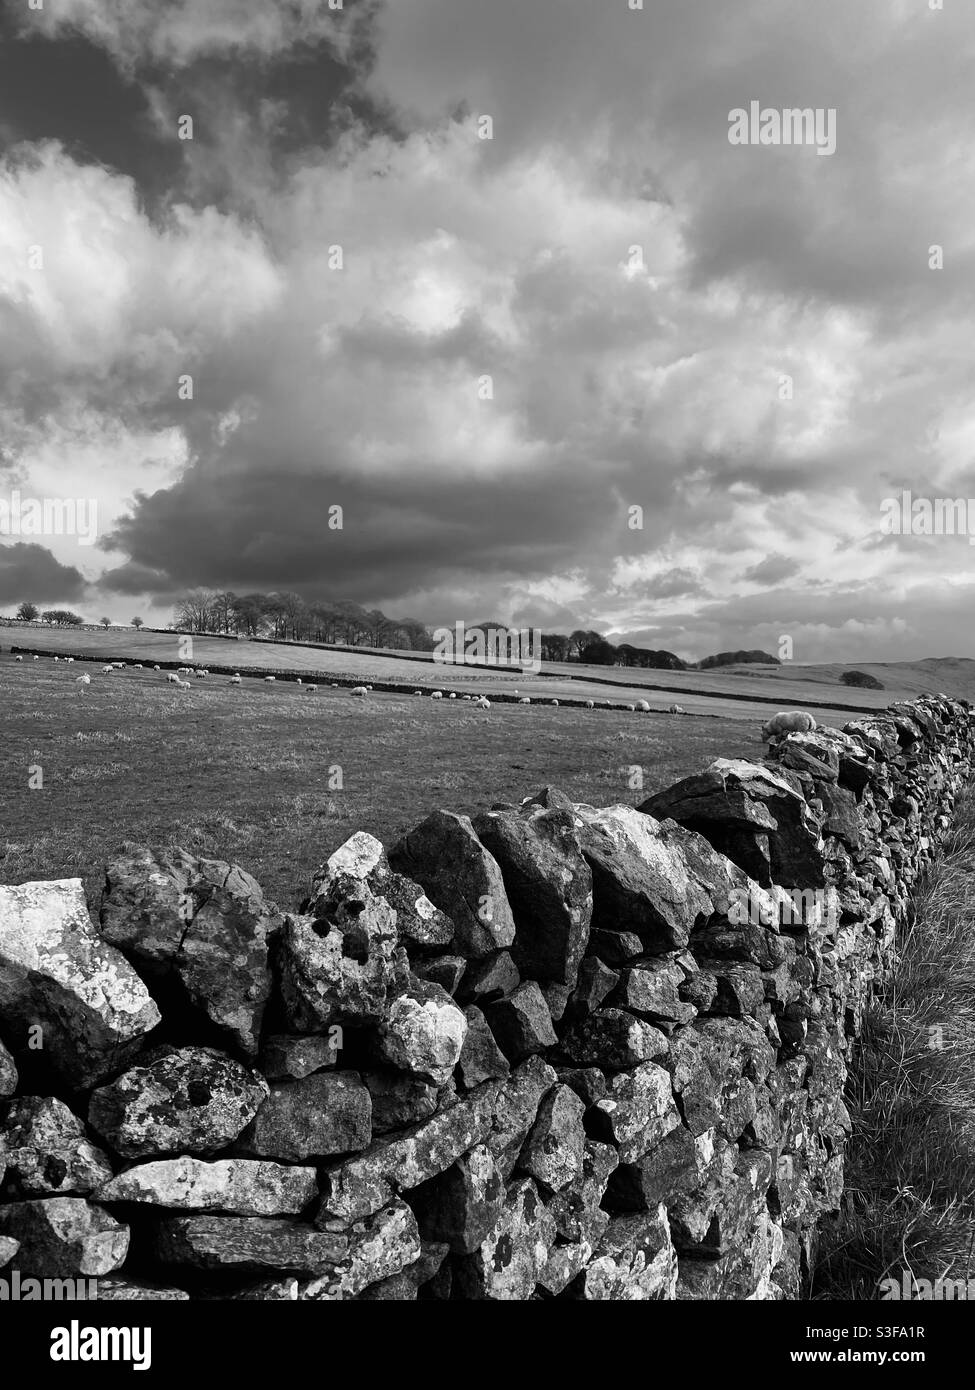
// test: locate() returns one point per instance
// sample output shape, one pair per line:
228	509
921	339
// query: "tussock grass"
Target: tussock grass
909	1202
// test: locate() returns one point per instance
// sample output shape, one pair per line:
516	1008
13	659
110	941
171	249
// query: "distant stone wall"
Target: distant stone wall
553	1052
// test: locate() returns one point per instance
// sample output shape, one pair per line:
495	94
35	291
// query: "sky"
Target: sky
493	279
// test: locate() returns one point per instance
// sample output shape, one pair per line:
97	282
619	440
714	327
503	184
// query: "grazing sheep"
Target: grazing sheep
118	665
555	703
368	687
18	658
436	695
334	685
57	658
172	678
69	660
677	709
310	689
483	702
788	722
82	680
184	685
418	692
107	670
268	679
467	697
630	707
155	668
360	690
643	705
590	704
137	666
524	700
37	658
235	680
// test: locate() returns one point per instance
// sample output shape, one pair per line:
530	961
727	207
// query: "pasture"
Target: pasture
276	778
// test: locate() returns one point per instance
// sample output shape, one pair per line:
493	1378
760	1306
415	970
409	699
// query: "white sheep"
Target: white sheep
788	722
677	709
334	685
555	703
643	705
436	695
82	680
155	668
630	707
467	697
173	678
452	695
298	681
118	665
235	680
483	702
368	687
69	660
37	658
107	670
57	658
590	704
184	685
524	700
269	679
310	689
18	658
418	692
361	691
137	666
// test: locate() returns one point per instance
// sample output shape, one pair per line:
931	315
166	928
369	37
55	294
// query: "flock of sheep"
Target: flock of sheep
784	722
176	678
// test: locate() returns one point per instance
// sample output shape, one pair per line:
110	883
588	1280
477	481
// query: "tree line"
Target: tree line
288	617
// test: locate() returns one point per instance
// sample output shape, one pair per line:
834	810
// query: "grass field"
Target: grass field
276	778
243	773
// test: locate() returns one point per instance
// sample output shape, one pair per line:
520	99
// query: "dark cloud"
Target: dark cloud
30	573
772	570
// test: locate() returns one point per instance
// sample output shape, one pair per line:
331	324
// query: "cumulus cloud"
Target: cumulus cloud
30	573
488	353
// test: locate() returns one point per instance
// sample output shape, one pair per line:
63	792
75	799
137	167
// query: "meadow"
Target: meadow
276	778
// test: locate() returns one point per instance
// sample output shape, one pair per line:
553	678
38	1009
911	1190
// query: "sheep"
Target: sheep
310	689
590	704
107	670
137	666
235	680
298	681
82	680
467	697
643	705
418	692
200	675
69	660
436	695
334	685
269	679
173	678
37	658
184	685
155	668
452	695
524	700
483	702
788	722
629	707
57	658
118	665
677	709
360	691
18	658
555	703
368	687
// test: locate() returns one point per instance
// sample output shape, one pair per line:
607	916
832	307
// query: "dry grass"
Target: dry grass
910	1168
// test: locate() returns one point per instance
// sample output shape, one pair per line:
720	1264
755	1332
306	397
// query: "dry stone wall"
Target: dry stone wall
555	1051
